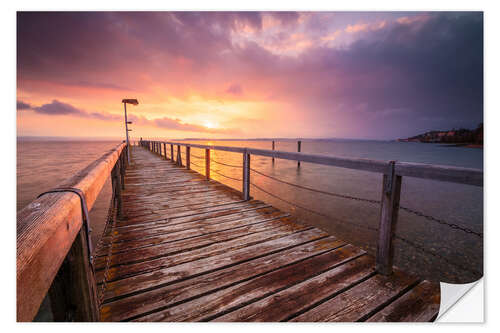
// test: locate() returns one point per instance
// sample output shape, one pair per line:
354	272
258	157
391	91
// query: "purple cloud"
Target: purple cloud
57	108
234	89
23	106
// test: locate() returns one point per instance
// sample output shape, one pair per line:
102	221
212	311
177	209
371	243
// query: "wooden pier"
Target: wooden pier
188	249
183	247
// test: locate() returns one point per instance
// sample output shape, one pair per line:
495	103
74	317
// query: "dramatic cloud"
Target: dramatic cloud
23	106
367	75
57	108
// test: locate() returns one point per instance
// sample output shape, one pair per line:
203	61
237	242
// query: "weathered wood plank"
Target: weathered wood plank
193	231
137	262
163	276
144	232
420	304
157	299
129	252
360	301
211	305
284	304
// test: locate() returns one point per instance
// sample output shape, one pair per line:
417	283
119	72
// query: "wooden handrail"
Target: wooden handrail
47	229
468	176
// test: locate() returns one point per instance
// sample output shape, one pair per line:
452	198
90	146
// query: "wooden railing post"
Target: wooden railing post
171	152
116	183
165	150
207	163
273	149
299	143
389	207
188	157
121	167
246	176
179	156
73	293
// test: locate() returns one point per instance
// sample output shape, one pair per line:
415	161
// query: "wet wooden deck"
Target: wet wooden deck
188	249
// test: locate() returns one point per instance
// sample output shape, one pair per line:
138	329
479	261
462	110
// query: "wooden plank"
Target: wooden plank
176	225
190	209
221	211
161	298
362	300
191	230
210	306
138	262
420	304
288	302
158	218
164	276
127	252
443	173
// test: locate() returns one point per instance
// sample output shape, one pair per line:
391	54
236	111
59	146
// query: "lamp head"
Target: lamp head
130	101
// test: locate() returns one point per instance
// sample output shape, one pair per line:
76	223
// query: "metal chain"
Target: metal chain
409	210
315	190
313	211
228	165
110	222
451	225
223	175
199	166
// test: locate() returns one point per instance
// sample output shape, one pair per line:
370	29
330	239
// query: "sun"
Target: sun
209	124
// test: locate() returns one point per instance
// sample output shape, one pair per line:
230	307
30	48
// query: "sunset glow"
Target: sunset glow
246	75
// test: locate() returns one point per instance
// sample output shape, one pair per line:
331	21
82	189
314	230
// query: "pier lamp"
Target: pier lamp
125	102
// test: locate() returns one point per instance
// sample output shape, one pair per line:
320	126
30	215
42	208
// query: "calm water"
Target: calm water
42	165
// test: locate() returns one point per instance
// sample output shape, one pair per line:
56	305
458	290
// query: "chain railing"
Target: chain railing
392	172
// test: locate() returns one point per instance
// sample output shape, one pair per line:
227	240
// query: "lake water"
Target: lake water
41	165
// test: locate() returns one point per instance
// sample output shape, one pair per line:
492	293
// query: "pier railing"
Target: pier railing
53	245
391	171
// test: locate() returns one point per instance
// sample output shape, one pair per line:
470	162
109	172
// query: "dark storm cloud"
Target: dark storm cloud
431	71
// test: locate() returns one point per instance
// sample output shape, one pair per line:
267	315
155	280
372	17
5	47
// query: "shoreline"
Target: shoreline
465	145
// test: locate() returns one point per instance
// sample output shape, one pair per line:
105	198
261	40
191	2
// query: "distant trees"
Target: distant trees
461	135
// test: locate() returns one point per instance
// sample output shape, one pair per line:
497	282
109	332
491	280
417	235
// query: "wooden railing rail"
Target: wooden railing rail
392	172
52	249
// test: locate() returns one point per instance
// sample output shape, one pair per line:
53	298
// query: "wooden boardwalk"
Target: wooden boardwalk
188	249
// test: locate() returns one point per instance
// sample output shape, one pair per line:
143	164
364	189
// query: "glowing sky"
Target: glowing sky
380	75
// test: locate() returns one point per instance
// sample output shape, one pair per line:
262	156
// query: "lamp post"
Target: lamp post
125	102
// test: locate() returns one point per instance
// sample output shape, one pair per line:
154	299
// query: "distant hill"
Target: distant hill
457	136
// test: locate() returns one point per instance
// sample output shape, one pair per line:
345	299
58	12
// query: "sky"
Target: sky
365	75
